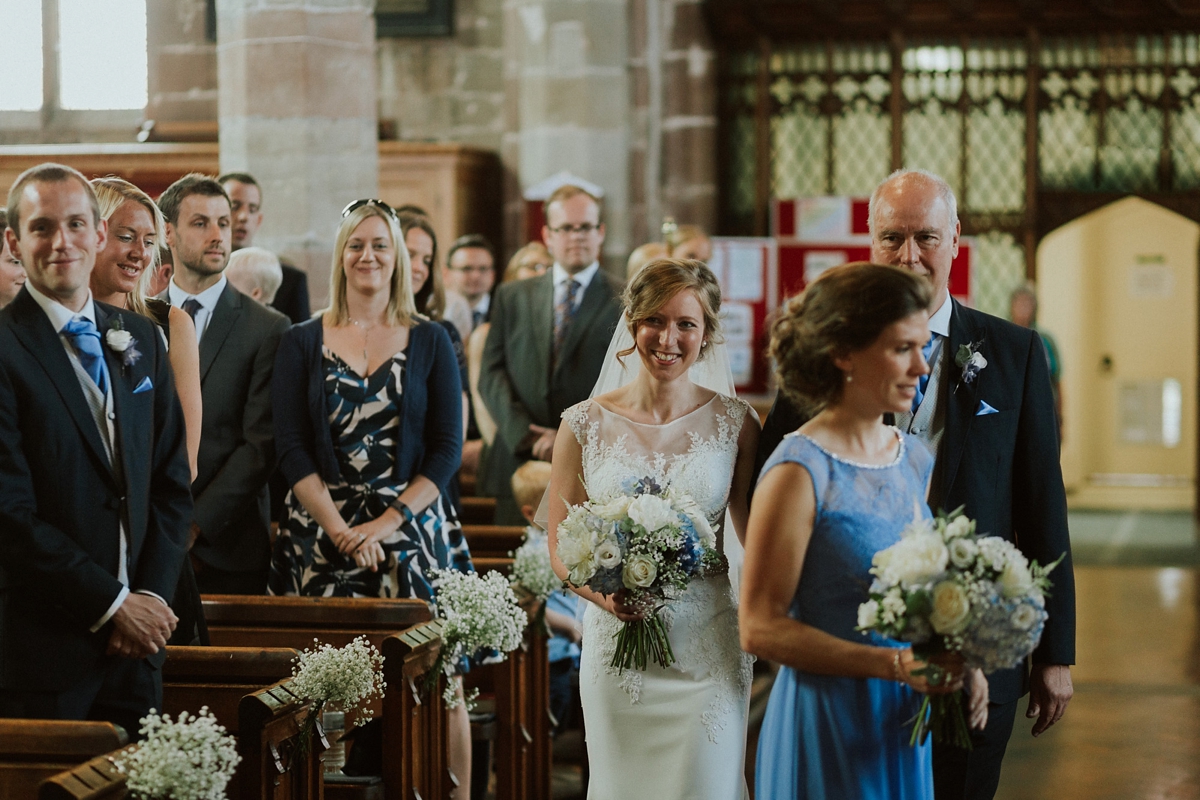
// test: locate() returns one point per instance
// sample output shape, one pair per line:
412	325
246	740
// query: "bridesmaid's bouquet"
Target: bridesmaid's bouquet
651	542
950	592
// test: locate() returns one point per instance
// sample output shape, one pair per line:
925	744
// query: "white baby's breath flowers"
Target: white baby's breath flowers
349	675
531	569
191	758
480	613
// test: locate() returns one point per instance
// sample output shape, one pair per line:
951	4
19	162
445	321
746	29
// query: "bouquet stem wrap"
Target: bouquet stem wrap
642	641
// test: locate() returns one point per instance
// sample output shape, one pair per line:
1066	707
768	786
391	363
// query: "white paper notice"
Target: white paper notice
741	363
746	273
817	261
737	323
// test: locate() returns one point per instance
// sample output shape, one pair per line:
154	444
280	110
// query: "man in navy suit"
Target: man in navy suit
94	497
994	436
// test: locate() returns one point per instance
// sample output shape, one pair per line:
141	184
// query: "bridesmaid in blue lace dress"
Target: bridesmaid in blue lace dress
832	494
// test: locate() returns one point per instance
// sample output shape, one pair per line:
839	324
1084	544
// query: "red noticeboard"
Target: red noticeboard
747	270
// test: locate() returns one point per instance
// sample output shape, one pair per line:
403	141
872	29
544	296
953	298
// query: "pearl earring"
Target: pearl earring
849	377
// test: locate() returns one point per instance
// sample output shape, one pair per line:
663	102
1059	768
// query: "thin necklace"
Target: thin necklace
366	329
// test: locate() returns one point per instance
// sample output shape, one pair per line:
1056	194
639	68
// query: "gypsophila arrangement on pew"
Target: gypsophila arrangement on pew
191	758
946	590
533	576
346	677
651	542
478	614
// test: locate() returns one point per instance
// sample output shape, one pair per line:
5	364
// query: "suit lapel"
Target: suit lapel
224	317
595	298
36	333
541	311
960	398
122	389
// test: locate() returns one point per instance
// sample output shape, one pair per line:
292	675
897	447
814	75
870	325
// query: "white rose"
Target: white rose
868	615
978	361
613	509
1015	580
118	340
639	572
572	549
959	526
962	552
951	608
652	512
608	554
582	572
1025	617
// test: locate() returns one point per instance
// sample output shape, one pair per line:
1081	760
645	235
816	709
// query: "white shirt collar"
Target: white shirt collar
939	321
208	298
59	314
584	276
483	305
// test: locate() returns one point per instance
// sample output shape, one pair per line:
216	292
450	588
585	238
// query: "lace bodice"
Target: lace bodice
695	453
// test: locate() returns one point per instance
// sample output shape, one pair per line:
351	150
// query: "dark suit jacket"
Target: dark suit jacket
1004	468
237	450
61	504
515	377
292	298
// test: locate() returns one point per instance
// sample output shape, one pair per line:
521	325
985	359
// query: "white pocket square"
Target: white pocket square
145	386
985	409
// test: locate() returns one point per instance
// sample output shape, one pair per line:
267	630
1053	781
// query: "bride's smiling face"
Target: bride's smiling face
669	340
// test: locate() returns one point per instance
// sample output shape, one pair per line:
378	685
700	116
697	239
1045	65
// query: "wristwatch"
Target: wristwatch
404	510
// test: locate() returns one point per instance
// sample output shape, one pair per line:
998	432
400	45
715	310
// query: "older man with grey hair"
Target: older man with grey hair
994	437
256	273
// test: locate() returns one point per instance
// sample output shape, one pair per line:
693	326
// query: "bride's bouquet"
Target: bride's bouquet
651	542
946	590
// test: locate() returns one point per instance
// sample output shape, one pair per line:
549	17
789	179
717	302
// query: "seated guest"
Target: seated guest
368	423
89	549
12	274
123	271
529	483
689	241
430	296
530	261
256	273
472	263
238	339
642	256
246	200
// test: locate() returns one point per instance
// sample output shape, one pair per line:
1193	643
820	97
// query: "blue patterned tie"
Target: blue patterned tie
86	340
564	312
923	381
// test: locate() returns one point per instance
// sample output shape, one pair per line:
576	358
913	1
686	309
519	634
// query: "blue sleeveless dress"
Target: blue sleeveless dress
835	737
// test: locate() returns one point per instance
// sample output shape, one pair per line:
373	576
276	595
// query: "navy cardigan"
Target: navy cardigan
430	439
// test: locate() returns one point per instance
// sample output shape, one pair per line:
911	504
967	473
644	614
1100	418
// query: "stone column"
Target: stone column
567	104
673	169
297	109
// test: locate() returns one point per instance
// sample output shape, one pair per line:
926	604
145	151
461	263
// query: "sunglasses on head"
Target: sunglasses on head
370	201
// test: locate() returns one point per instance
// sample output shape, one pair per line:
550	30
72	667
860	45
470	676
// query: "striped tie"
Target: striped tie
923	381
564	312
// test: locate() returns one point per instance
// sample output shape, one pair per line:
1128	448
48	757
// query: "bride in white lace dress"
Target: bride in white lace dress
678	732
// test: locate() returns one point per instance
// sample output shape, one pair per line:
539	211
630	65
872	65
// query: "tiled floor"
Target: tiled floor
1133	729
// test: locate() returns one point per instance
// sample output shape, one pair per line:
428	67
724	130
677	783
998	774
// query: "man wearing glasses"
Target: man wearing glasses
547	343
471	271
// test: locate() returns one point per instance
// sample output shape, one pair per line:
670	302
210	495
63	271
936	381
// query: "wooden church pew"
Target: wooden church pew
95	779
493	541
33	750
297	621
478	510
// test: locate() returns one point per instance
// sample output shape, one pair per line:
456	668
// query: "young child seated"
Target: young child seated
529	483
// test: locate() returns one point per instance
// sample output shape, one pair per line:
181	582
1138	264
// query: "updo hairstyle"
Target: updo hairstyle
662	279
843	311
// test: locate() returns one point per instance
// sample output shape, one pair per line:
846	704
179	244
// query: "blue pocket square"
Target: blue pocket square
145	386
985	409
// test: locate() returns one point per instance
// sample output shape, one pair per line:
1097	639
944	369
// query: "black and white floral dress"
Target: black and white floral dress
364	422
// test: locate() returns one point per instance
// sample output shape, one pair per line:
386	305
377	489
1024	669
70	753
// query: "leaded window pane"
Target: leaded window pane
999	268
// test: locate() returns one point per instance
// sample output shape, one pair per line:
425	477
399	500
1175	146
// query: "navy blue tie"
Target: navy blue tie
86	340
192	306
923	381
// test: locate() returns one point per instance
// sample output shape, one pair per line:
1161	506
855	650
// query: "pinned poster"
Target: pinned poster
745	274
741	362
737	323
817	261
